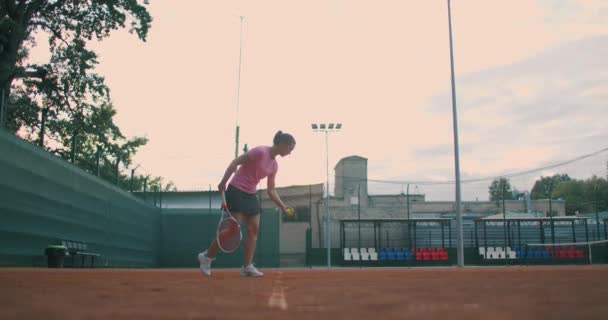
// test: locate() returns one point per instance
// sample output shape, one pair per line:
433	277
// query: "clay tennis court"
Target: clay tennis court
429	293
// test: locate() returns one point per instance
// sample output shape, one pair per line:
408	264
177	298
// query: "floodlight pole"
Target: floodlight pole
327	130
459	238
238	93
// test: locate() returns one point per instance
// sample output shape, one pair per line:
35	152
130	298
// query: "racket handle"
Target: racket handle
224	204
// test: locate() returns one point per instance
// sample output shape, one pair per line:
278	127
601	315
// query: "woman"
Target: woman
255	165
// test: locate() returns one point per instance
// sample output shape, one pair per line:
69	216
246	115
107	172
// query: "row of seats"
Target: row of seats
419	254
492	253
363	256
395	254
359	250
551	252
530	252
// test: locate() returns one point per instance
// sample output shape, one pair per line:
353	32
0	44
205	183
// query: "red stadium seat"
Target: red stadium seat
418	255
563	254
426	255
435	255
443	255
571	253
579	253
440	249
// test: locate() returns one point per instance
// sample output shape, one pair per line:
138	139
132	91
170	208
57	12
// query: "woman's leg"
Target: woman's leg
252	225
213	247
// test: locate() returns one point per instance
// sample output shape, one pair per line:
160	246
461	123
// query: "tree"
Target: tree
65	93
67	22
584	196
544	187
499	189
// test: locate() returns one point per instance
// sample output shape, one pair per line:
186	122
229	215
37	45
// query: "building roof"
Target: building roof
395	219
349	158
560	218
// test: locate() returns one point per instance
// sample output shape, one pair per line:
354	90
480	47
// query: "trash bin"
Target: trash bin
55	255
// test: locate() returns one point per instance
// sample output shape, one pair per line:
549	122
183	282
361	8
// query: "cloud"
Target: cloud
575	11
548	107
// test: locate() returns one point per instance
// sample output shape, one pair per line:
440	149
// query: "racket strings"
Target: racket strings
229	236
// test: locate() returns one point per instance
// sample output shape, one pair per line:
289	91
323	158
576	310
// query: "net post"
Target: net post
485	234
476	235
519	232
442	235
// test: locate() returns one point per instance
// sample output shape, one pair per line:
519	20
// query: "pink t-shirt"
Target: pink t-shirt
259	166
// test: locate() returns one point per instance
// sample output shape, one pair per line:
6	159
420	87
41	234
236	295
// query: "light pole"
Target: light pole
460	244
409	229
549	192
597	215
238	93
2	109
133	173
327	129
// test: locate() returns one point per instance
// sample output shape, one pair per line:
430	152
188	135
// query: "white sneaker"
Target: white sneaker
250	271
205	263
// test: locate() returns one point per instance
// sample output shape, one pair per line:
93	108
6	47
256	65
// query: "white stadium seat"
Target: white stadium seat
373	256
347	256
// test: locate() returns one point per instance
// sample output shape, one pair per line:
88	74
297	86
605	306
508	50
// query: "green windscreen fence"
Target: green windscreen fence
44	199
186	232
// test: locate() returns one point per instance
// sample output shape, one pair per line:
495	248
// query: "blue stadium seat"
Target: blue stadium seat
400	256
391	256
382	255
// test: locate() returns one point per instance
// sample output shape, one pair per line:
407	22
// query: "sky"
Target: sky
531	84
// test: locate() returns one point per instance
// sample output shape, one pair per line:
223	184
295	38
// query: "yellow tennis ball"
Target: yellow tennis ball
289	212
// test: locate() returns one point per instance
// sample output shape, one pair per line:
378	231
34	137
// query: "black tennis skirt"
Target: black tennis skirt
239	201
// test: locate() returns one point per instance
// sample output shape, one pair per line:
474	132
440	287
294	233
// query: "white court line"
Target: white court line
277	298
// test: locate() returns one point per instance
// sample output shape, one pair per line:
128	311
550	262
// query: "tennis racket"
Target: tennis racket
229	233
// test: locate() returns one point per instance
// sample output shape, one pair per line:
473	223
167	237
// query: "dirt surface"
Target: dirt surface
577	292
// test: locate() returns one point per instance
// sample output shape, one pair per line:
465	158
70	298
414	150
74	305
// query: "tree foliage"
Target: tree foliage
500	189
545	186
65	93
